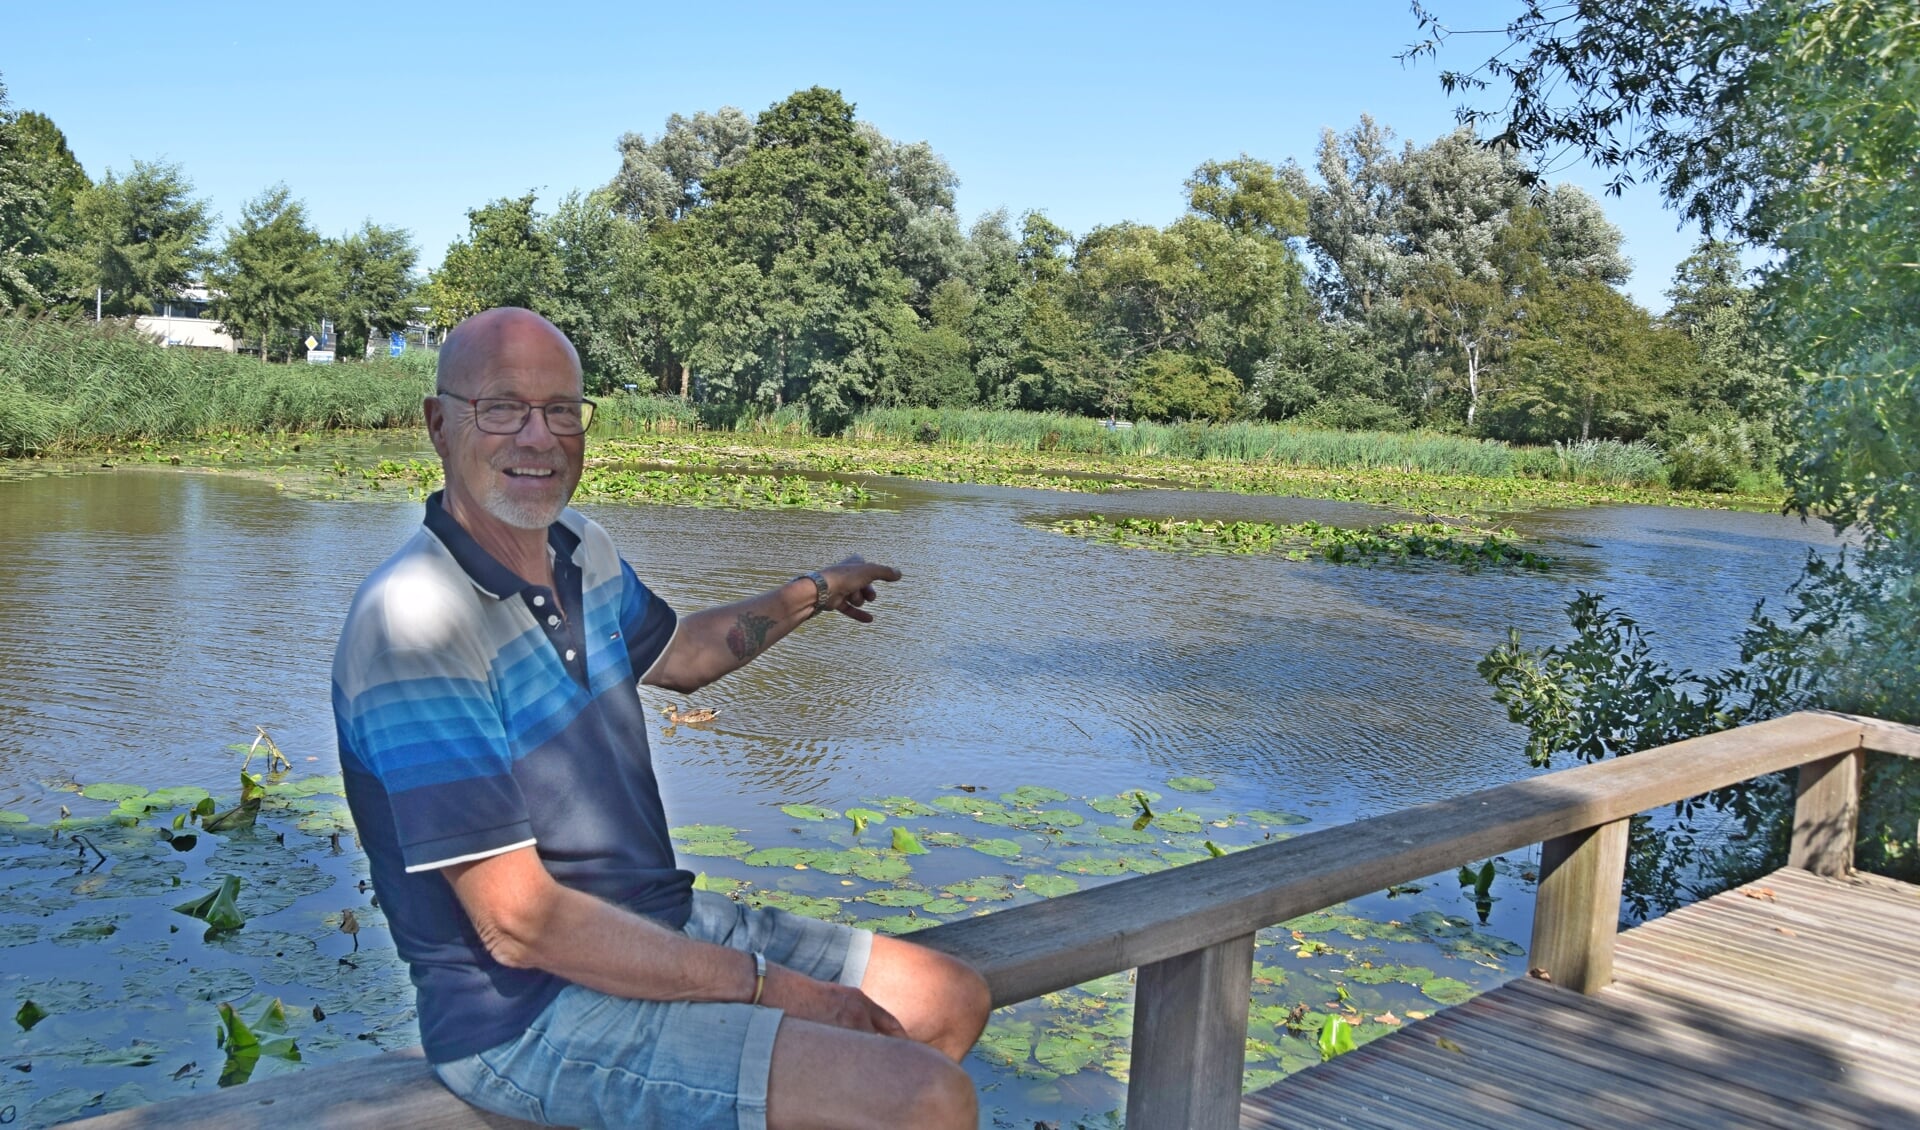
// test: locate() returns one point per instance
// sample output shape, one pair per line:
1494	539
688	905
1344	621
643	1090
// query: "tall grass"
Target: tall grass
66	385
1241	442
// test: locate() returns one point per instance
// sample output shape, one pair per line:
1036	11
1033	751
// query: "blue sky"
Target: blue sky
412	113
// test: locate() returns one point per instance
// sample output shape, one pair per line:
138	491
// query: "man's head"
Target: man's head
524	479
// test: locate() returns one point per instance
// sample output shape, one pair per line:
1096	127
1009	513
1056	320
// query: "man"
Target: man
495	756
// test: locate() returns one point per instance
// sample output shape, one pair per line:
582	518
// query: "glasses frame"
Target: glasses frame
545	407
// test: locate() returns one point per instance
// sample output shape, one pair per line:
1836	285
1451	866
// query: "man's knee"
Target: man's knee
941	1094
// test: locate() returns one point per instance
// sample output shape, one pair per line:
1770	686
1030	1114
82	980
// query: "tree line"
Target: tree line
801	259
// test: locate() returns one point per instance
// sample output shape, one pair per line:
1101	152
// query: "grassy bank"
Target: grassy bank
70	388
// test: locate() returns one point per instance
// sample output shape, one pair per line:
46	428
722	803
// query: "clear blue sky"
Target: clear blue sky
410	114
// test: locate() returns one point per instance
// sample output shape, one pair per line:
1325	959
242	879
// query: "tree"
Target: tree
1589	364
928	248
601	290
370	284
782	290
39	181
136	241
506	260
271	278
661	180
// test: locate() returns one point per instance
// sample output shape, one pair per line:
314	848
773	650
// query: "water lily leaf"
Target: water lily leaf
899	924
1438	925
1124	835
18	934
1386	974
719	884
1191	784
1177	823
13	817
898	896
1336	1037
1121	805
218	909
693	832
1032	796
944	906
1060	818
235	1034
272	1018
905	842
87	930
1447	990
726	849
943	839
1067	1053
794	903
112	792
780	857
176	796
1215	850
906	806
878	868
862	817
1093	866
809	812
968	805
998	848
1006	1042
1263	816
330	785
29	1015
985	887
241	815
1049	886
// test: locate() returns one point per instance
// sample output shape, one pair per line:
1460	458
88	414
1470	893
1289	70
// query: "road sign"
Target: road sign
312	341
396	344
319	356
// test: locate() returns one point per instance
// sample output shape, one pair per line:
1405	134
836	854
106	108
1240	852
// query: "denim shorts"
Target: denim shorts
594	1060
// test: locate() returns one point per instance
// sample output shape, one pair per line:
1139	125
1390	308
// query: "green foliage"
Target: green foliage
1395	542
137	238
271	280
72	386
369	288
506	260
1177	386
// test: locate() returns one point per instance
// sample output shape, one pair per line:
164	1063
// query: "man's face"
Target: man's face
525	479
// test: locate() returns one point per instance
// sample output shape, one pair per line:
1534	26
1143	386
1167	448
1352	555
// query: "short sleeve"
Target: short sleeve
646	622
431	735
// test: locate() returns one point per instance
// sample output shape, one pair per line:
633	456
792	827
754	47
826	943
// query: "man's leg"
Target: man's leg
938	999
827	1078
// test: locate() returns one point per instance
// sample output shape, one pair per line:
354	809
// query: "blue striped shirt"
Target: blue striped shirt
474	718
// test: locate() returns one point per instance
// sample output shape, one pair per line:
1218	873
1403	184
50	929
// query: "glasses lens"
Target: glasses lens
501	417
568	417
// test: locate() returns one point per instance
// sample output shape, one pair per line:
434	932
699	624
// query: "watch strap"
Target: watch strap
821	591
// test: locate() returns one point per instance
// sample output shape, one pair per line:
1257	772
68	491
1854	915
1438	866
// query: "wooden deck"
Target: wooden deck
1791	1002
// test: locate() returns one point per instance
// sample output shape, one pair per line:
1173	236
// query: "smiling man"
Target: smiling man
496	761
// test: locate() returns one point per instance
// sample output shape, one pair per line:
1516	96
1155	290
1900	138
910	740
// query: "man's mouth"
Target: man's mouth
530	472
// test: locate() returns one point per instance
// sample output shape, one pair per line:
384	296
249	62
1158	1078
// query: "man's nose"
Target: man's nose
535	432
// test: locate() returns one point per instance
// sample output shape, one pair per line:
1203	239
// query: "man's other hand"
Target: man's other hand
824	1002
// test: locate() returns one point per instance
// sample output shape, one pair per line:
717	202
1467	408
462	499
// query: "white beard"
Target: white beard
523	514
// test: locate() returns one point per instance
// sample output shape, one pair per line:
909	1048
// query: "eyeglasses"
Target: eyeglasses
505	416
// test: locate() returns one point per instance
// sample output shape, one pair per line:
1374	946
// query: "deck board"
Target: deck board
1793	1001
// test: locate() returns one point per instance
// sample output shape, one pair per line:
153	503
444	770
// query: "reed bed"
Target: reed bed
71	386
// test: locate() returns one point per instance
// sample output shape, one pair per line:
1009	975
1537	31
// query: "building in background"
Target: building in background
182	320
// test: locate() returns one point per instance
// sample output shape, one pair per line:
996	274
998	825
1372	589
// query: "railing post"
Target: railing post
1576	912
1826	815
1190	1038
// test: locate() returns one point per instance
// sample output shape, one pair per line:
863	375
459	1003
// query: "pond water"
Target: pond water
155	618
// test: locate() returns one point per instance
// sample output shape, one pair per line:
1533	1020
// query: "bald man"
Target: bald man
495	756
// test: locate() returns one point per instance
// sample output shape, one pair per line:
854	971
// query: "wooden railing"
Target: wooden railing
1190	930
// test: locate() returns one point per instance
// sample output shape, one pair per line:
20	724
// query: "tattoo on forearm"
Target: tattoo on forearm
748	635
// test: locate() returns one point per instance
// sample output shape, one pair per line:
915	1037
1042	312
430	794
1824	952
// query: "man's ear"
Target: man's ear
435	411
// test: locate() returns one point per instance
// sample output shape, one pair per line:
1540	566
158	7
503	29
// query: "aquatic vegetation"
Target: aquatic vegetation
294	931
1392	542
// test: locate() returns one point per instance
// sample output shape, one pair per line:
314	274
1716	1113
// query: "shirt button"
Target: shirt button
570	654
539	601
552	620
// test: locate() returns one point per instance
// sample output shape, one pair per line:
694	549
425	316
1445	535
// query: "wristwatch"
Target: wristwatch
821	593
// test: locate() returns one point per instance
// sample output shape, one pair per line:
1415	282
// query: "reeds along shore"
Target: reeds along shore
67	387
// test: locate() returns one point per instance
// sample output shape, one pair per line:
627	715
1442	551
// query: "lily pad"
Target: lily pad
794	903
1068	1053
906	806
1121	834
1122	804
944	906
878	868
904	842
112	792
967	805
1387	974
1447	990
1032	796
29	1015
898	897
727	848
862	817
1094	865
985	887
1177	822
1049	886
7	817
943	839
218	909
811	812
1006	1042
1437	925
1264	816
899	924
1060	818
998	848
780	857
1191	784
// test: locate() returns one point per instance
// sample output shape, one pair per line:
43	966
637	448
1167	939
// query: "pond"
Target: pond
157	617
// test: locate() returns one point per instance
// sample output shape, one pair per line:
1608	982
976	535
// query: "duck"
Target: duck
685	715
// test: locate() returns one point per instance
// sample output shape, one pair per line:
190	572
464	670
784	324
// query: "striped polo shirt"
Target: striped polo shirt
474	717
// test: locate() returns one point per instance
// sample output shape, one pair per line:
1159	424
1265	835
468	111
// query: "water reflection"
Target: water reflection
155	617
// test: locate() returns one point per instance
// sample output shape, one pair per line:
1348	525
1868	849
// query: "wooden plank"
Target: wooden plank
1826	815
1046	946
1189	1048
1418	1092
395	1089
1881	736
1577	909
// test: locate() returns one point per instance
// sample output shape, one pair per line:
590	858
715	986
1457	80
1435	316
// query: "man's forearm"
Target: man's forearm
614	951
719	641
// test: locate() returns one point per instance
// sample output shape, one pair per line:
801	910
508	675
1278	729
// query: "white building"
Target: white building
182	321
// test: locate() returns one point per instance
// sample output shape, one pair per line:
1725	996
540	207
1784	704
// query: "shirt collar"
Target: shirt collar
481	567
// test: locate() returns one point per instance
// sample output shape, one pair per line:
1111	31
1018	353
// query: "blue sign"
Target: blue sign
396	344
